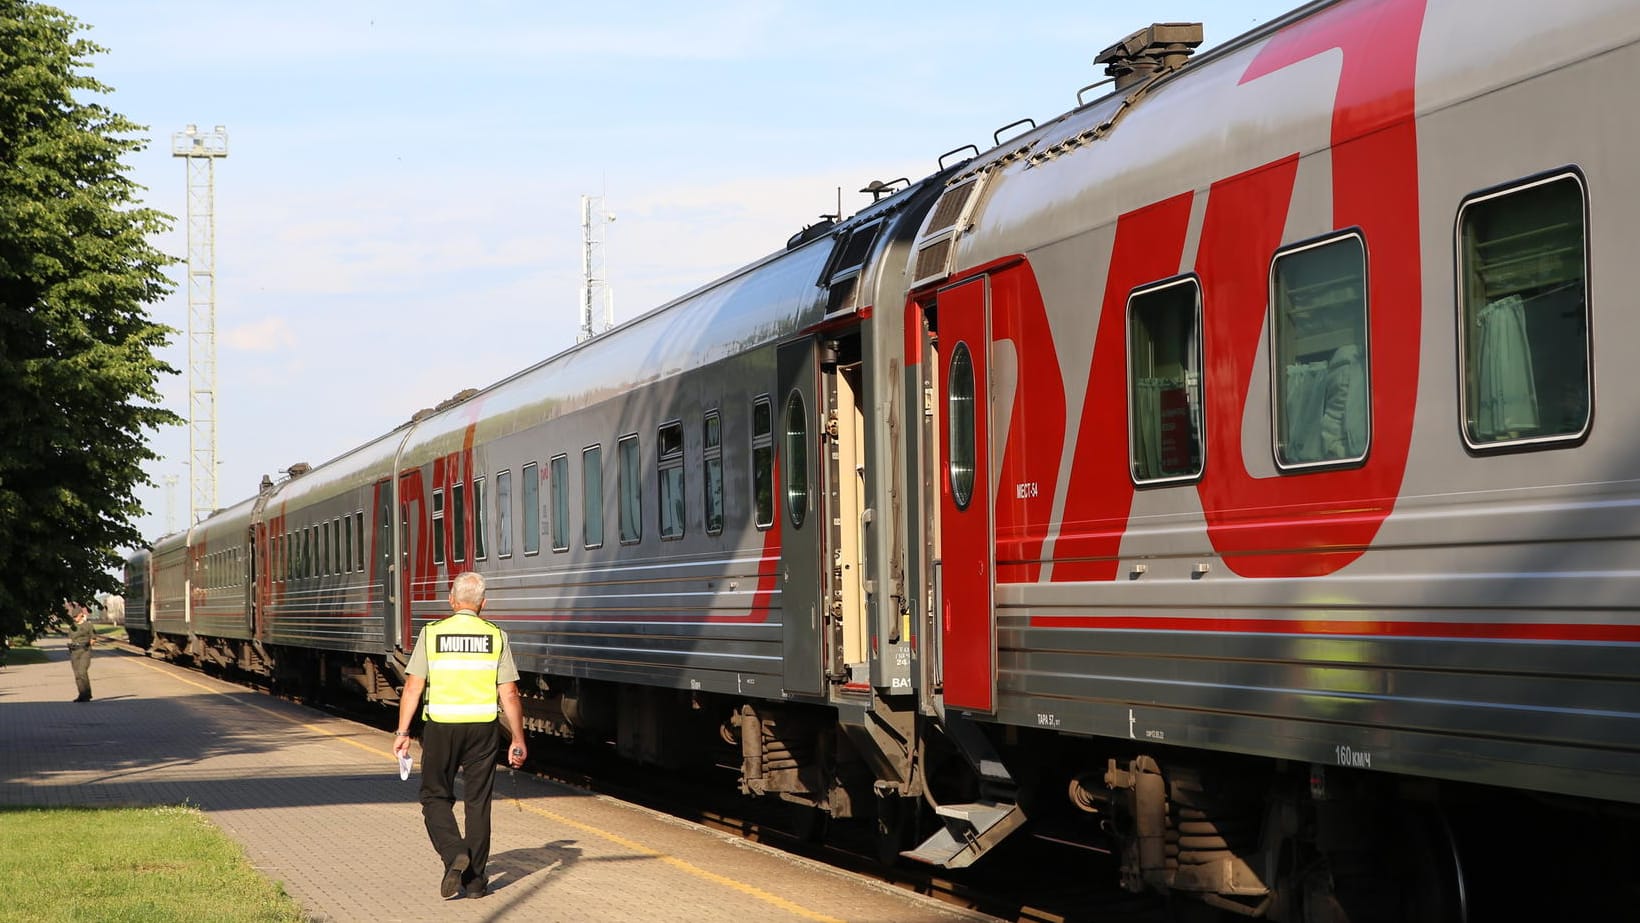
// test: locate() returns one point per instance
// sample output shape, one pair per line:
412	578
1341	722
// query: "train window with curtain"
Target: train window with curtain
529	480
358	540
1323	394
1165	381
712	440
763	462
438	526
559	480
1524	329
592	496
629	482
960	419
503	514
669	463
479	551
797	459
458	516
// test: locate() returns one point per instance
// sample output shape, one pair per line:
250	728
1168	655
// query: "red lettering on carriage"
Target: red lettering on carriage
1149	245
1329	517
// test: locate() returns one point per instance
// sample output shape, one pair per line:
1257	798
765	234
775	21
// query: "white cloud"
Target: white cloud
270	334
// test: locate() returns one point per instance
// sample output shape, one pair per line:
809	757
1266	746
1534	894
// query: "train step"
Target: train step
969	831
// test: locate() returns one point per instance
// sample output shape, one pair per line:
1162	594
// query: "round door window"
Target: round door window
959	417
797	459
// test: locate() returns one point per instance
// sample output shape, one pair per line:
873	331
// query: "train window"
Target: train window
326	533
503	514
797	459
960	419
629	482
712	439
763	462
335	546
592	496
310	552
347	545
1323	394
458	513
669	462
358	540
438	525
530	481
1165	381
560	502
1524	330
478	520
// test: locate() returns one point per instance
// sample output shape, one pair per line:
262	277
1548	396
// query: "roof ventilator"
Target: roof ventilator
1135	64
1161	46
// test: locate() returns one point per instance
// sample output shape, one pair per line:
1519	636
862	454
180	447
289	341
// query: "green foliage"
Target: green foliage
136	864
78	374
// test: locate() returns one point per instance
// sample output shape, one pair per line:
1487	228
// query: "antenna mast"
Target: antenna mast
201	151
594	286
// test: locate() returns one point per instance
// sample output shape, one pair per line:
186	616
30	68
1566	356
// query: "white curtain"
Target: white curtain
1505	391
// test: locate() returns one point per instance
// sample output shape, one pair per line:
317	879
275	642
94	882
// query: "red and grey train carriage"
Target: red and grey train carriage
1270	489
1223	453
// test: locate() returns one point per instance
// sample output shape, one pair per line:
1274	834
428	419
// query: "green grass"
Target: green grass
17	656
129	864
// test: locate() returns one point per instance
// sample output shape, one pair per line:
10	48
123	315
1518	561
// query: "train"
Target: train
1211	474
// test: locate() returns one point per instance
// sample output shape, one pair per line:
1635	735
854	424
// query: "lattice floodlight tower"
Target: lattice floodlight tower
201	149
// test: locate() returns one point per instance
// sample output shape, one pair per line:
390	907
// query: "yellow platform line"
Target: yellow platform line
679	864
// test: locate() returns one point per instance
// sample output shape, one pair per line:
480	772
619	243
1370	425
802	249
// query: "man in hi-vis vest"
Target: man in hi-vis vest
466	668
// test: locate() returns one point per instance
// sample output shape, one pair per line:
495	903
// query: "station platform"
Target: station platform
318	805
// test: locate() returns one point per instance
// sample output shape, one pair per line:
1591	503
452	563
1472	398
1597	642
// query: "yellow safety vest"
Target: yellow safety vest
463	653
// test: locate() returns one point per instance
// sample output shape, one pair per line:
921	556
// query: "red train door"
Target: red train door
967	623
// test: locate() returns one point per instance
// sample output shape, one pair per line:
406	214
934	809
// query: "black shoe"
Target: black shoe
451	884
478	887
83	698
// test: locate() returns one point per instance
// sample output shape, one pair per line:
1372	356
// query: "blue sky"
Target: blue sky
399	214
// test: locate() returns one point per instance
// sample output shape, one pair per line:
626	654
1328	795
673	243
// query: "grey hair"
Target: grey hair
467	589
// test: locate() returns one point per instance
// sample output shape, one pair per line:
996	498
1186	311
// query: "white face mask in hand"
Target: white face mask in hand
404	766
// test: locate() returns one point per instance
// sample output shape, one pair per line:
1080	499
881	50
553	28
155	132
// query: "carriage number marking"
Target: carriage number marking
1047	721
1360	759
1026	490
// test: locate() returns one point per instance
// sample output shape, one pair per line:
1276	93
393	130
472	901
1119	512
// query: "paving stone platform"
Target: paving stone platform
318	805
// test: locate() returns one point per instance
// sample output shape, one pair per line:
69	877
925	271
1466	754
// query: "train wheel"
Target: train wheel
1410	873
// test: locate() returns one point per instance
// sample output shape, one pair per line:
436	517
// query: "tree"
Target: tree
78	374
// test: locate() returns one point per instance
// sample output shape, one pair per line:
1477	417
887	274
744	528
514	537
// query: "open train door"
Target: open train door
800	516
966	548
383	592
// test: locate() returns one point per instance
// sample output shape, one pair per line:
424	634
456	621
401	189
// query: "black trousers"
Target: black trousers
472	749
